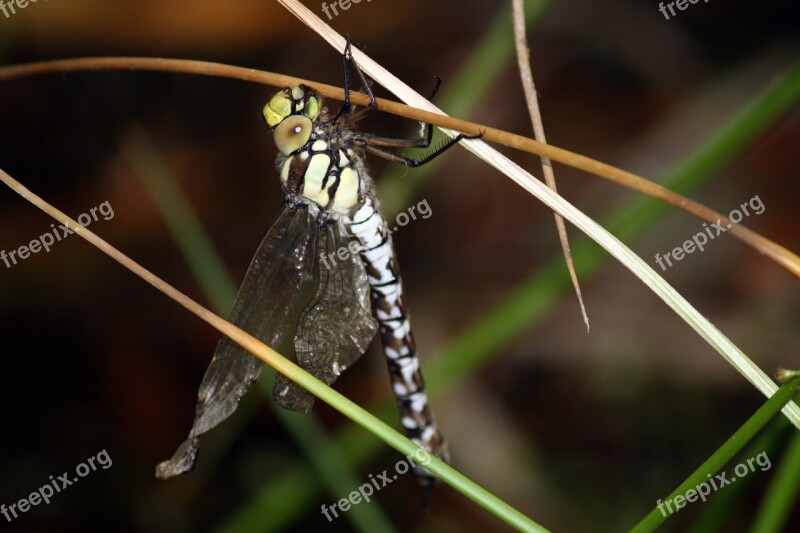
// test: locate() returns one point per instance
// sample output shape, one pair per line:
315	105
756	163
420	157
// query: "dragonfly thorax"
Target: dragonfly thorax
323	174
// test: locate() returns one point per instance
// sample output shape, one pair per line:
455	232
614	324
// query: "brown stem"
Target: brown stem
776	252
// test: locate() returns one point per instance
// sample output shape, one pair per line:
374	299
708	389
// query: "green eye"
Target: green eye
313	106
297	92
292	134
278	107
297	99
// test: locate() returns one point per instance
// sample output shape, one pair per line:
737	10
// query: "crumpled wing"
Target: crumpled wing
336	327
267	306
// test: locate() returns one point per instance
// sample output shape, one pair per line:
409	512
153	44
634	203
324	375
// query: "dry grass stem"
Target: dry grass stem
786	258
526	75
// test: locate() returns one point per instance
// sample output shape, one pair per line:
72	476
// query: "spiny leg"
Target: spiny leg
344	112
346	117
370	147
370	142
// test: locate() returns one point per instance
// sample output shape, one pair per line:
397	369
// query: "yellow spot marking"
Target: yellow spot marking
285	170
347	193
315	175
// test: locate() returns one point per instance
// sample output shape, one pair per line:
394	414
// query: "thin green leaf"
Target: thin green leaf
730	448
781	497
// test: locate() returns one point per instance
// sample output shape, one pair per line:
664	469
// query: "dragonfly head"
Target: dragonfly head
290	114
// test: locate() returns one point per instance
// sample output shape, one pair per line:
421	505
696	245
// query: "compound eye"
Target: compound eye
313	106
292	134
278	108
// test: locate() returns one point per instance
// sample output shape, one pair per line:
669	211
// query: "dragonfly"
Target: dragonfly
334	310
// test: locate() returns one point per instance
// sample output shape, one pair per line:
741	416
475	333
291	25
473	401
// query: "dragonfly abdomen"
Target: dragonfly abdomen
386	288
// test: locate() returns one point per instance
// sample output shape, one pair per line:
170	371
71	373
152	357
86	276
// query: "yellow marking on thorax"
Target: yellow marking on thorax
315	175
347	193
285	170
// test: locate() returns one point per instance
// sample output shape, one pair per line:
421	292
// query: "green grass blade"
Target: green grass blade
781	497
328	459
181	221
730	448
716	512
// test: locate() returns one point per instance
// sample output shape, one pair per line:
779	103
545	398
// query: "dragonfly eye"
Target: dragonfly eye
292	134
297	100
278	108
313	106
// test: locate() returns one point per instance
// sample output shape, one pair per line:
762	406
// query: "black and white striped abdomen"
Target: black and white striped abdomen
383	274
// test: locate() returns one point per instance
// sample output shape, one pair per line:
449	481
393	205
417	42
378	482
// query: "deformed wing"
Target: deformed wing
267	306
336	327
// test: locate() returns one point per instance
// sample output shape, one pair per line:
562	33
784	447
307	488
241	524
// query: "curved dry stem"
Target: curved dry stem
266	354
784	257
244	339
529	88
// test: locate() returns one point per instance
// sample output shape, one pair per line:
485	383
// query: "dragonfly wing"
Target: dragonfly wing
267	306
336	327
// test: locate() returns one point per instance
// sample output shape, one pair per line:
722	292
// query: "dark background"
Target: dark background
580	432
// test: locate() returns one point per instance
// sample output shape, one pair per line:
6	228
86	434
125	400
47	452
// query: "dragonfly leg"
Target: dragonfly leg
372	147
344	114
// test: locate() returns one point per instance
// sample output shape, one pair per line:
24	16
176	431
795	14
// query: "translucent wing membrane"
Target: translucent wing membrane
267	306
336	327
